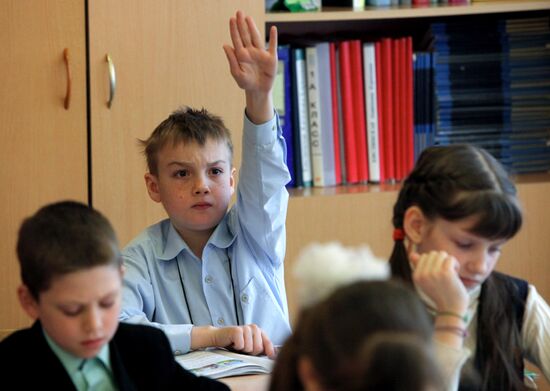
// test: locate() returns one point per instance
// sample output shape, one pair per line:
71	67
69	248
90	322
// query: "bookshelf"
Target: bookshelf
374	13
358	214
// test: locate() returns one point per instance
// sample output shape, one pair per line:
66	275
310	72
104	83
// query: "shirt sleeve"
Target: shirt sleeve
138	302
536	331
451	361
262	197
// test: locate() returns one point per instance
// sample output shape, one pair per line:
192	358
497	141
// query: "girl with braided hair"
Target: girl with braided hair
454	213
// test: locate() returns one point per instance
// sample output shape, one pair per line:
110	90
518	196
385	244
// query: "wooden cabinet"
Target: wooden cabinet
166	54
43	149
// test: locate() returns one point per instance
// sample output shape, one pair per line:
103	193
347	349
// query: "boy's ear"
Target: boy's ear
232	179
151	182
414	224
308	375
27	301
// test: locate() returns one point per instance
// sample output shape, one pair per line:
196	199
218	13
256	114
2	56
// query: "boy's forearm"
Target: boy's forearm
259	107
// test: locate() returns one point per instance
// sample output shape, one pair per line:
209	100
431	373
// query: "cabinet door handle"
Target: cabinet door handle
67	101
112	80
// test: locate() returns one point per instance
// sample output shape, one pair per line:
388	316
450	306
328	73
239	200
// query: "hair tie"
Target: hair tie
398	234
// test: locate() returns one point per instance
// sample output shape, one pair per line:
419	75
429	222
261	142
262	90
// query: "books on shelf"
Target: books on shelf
300	108
358	102
351	108
320	114
373	105
423	102
346	111
336	105
371	109
492	86
218	363
282	100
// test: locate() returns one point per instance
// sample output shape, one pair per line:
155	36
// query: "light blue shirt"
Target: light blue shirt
101	365
251	236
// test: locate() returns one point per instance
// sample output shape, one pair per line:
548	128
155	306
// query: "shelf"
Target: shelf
538	177
519	180
376	13
344	189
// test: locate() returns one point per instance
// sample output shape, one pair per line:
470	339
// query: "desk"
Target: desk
247	383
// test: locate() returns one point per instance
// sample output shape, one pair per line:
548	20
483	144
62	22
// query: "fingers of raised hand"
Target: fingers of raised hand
235	35
243	26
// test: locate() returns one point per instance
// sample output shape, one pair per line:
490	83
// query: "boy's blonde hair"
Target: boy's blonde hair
62	238
183	126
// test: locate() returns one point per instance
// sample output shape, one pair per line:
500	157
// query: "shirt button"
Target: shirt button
208	279
221	321
244	298
177	352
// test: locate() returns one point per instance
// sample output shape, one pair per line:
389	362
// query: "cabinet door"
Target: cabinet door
43	148
166	54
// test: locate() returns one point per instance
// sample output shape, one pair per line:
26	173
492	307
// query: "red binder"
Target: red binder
358	85
335	113
347	112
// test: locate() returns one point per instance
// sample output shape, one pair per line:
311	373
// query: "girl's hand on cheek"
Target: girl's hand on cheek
436	274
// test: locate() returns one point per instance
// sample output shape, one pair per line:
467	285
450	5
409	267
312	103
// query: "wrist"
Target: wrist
259	107
458	331
462	315
202	337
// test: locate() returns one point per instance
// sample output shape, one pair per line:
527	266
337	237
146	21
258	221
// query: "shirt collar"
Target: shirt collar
72	362
222	237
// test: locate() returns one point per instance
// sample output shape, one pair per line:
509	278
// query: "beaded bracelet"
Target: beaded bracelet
453	329
454	314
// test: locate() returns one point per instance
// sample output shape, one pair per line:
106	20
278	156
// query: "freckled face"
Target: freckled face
80	310
194	184
476	256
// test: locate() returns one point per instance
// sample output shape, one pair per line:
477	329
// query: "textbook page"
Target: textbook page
218	363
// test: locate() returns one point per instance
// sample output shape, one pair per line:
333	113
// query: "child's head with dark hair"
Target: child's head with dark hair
62	238
326	345
459	181
71	276
458	185
396	361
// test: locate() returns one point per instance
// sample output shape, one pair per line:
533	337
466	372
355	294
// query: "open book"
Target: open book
217	363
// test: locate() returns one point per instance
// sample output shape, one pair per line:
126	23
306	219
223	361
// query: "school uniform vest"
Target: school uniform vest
515	291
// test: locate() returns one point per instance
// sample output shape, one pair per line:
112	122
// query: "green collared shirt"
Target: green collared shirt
93	374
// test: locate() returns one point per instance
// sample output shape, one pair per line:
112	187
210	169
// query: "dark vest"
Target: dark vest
515	292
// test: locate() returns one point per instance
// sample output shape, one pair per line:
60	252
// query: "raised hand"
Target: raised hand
252	66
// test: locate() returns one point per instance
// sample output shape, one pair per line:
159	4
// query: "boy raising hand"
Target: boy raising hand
208	276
